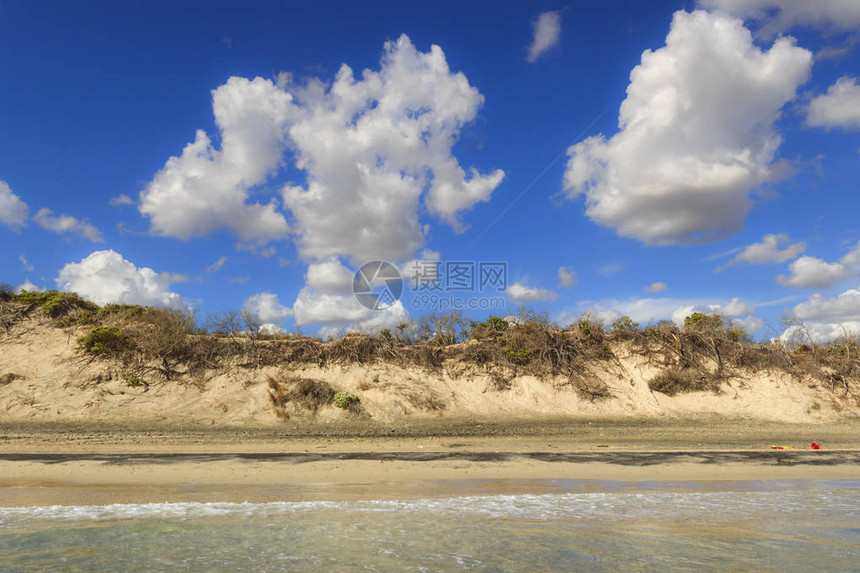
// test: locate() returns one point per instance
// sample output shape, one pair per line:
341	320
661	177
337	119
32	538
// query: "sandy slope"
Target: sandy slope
54	383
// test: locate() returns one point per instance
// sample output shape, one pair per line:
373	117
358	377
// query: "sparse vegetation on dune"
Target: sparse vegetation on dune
156	346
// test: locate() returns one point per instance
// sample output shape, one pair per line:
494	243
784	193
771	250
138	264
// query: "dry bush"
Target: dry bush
443	329
681	381
302	392
164	340
353	348
589	387
529	345
11	313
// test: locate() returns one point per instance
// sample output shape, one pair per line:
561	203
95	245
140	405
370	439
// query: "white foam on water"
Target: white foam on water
610	505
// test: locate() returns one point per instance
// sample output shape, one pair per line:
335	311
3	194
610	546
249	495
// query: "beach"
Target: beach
625	450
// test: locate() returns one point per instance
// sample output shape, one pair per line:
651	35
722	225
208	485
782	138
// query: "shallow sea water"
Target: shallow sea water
593	526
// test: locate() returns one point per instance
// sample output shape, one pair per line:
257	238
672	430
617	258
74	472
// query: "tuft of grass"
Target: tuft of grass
345	400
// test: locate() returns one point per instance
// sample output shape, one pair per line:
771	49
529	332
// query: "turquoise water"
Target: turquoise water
777	526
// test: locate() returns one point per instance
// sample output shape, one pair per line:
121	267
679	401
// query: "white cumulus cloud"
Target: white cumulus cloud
368	155
67	225
327	300
206	189
13	211
547	30
27	286
768	251
839	107
106	277
696	134
812	272
521	293
370	149
825	318
266	307
378	144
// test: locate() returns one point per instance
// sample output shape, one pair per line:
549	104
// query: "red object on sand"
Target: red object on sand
814	446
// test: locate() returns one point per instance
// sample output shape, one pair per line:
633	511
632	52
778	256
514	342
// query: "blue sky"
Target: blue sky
620	157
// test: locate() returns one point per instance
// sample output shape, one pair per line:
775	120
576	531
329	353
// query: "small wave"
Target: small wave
845	502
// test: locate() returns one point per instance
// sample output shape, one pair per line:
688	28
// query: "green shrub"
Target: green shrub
701	322
625	325
589	326
490	329
104	340
516	355
134	382
346	400
121	311
56	304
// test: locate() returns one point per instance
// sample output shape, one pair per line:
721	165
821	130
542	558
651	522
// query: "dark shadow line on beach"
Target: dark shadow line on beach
636	459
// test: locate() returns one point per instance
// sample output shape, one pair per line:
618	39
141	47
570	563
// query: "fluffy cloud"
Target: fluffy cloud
768	251
67	225
106	277
266	307
696	134
327	300
813	272
656	287
547	29
370	149
780	15
377	144
839	107
13	211
205	188
372	152
567	277
27	286
825	318
520	293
